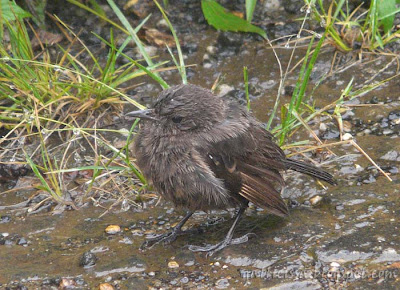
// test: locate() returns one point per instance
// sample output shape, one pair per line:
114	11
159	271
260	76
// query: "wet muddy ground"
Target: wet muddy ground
342	236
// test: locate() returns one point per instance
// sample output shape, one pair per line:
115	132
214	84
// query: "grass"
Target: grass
298	113
372	28
60	103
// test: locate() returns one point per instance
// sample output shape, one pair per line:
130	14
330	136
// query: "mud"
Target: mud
342	236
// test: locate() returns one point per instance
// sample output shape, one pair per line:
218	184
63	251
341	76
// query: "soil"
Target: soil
340	236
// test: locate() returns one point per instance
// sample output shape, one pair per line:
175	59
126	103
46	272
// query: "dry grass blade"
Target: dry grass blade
344	142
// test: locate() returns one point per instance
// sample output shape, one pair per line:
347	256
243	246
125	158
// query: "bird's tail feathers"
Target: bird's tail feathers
309	169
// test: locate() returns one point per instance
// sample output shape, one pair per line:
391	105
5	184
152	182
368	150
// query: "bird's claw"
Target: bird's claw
166	238
212	249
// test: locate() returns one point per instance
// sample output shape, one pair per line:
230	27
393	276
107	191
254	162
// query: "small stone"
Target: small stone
113	229
396	121
184	280
173	265
222	283
162	23
137	232
322	127
106	286
217	264
347	136
211	49
190	263
22	242
335	264
207	65
224	89
88	259
67	283
126	241
5	219
316	199
151	274
150	50
387	132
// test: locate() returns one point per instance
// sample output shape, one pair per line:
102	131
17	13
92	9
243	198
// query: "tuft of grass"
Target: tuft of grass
57	102
373	29
64	90
43	98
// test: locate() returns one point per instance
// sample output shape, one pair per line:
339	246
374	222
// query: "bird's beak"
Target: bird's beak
147	114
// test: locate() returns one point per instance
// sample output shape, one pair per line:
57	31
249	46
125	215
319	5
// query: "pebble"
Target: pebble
22	242
5	219
222	283
88	259
387	132
335	264
162	23
207	65
173	265
316	199
113	229
396	121
347	136
190	263
126	241
211	49
184	280
137	232
224	89
106	286
67	283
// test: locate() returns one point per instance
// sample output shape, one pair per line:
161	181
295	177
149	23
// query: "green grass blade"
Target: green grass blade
181	67
250	6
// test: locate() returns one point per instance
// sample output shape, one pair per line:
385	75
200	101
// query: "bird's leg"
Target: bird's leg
167	237
211	249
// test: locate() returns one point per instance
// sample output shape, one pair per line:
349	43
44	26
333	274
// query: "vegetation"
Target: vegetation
372	28
60	101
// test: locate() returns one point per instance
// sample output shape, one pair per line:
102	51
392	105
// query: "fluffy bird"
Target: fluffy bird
204	152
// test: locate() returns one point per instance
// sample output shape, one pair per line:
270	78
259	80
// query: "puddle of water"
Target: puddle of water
345	227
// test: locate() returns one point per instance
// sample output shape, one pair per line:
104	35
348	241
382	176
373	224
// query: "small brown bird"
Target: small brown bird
205	152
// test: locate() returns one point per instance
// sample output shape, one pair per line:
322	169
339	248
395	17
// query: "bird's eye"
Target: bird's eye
177	119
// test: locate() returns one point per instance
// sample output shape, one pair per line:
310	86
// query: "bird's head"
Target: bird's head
183	108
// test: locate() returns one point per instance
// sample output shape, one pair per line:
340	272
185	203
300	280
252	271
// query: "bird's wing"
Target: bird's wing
243	154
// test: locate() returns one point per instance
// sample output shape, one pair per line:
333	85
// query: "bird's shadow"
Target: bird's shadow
214	229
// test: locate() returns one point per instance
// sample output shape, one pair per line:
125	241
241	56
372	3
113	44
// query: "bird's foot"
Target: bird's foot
212	249
166	238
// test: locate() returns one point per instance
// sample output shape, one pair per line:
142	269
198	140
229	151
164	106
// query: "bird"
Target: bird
203	152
